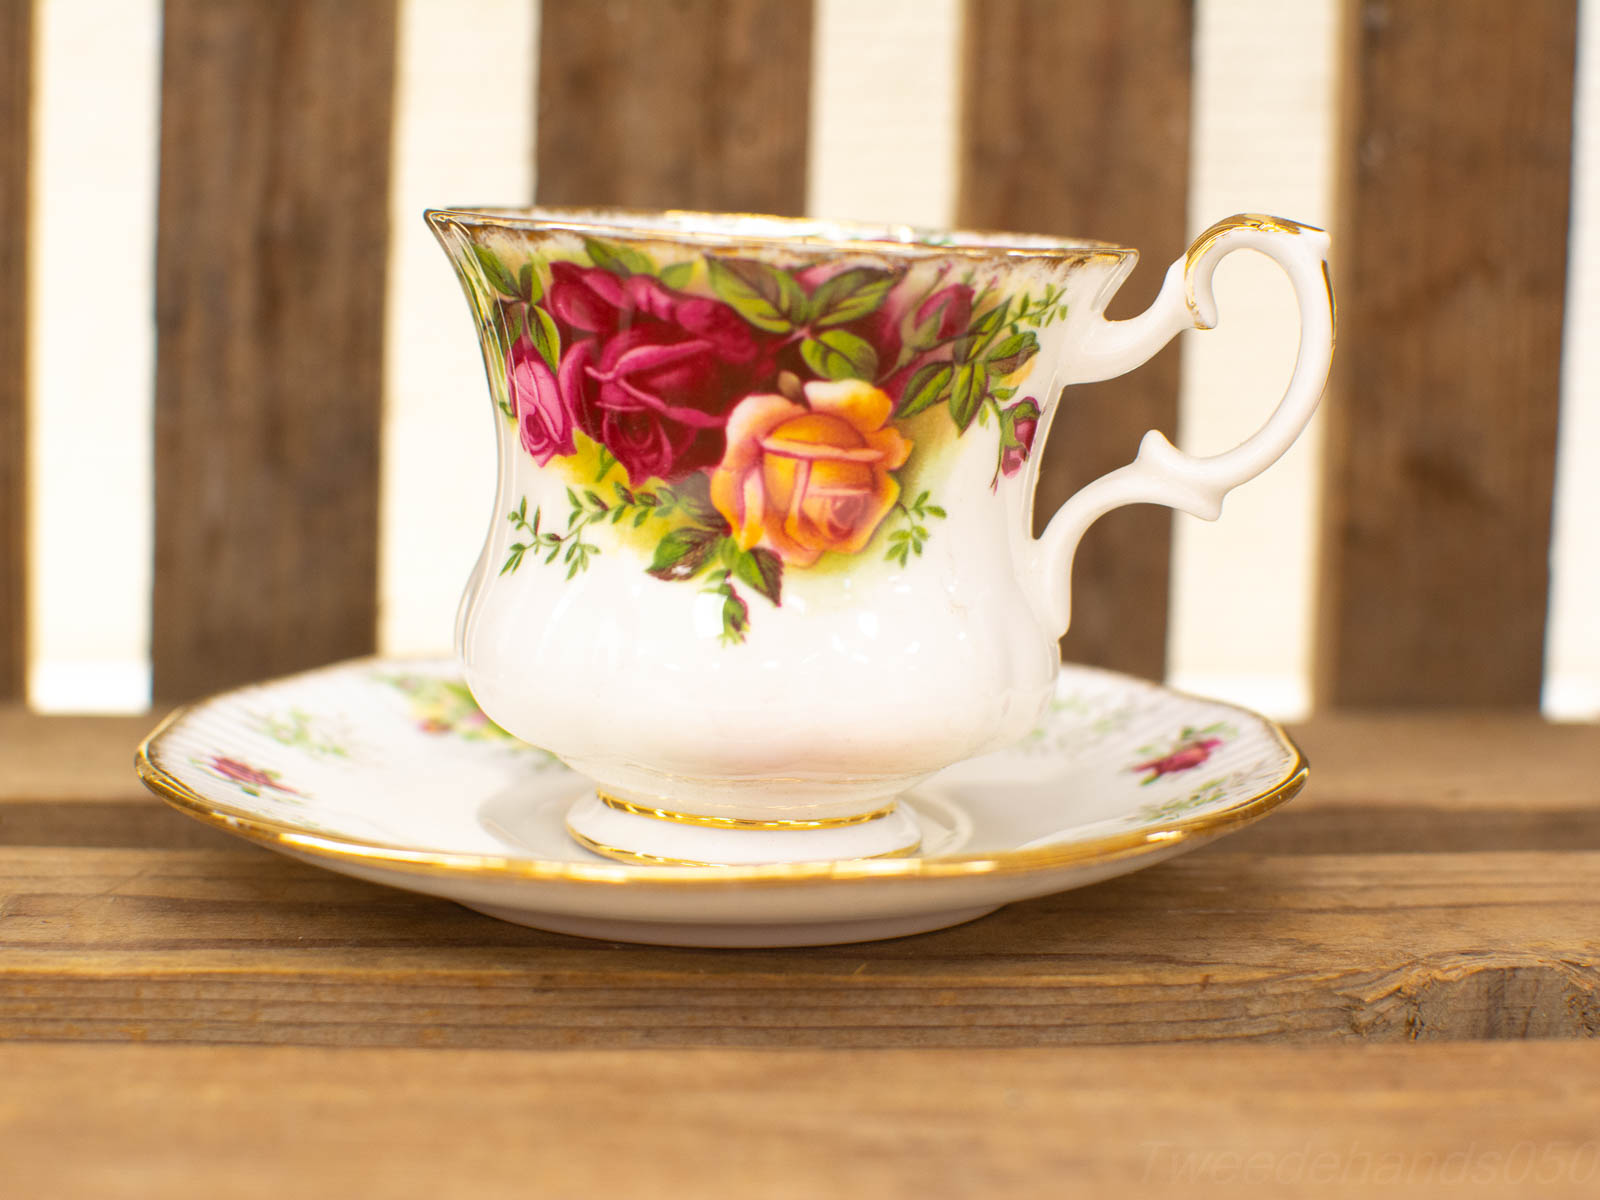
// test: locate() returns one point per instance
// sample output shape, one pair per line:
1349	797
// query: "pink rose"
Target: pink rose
648	372
544	416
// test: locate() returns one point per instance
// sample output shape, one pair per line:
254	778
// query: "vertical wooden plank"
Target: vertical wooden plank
1076	121
16	85
1457	159
674	103
272	237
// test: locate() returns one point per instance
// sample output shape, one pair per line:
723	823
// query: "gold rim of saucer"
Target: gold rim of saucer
708	822
447	864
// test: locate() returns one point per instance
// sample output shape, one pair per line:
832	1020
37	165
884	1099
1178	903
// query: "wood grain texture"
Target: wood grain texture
674	104
16	83
1076	121
270	277
245	946
1414	1121
1451	285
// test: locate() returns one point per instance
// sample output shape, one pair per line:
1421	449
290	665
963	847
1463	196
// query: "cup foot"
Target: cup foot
633	833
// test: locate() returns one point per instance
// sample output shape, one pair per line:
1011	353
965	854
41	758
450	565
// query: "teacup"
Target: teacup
762	554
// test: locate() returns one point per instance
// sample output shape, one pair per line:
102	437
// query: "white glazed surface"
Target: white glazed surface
866	680
382	770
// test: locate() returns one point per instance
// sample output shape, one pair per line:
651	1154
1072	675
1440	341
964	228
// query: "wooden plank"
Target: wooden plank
1443	425
244	946
270	276
674	104
1076	121
1418	1121
16	83
1380	783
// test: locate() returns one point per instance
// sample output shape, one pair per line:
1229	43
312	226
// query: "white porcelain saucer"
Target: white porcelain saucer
386	770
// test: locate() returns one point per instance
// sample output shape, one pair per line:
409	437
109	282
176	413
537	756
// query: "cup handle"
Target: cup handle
1161	473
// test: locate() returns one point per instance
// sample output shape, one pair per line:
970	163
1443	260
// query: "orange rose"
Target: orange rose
804	478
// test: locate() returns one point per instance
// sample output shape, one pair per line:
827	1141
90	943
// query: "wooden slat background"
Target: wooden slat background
271	272
1076	121
16	72
675	104
270	279
1443	421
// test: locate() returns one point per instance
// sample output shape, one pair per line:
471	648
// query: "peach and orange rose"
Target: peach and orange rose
804	478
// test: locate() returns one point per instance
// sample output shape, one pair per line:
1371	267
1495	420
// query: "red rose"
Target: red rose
651	373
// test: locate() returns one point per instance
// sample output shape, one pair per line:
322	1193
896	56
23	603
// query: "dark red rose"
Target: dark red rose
943	315
544	415
651	373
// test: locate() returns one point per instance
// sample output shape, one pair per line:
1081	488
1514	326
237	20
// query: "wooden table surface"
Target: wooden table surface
1391	987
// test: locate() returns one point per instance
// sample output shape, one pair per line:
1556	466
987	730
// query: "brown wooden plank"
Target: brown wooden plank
245	946
1443	425
16	76
1076	121
1414	1121
675	103
270	273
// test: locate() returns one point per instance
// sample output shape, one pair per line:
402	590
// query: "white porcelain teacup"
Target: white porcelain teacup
762	555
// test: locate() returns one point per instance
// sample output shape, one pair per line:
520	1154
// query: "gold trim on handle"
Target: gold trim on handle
683	818
1260	222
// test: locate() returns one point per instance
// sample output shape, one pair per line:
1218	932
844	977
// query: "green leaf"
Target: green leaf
850	295
735	616
495	272
933	510
1011	353
693	495
617	258
990	321
767	298
676	275
966	396
528	286
762	570
927	386
511	319
681	553
839	354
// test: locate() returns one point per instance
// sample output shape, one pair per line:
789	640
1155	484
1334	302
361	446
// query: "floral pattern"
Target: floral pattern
446	706
1189	749
252	781
746	419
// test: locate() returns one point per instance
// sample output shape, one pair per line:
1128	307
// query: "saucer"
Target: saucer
385	769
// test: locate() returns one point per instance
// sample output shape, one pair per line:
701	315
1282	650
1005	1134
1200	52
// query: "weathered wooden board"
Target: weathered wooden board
16	75
674	104
270	279
1414	1121
1453	240
243	946
1077	122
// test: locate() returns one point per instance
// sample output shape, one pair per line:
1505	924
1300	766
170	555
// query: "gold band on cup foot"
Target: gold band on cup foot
656	860
643	835
709	822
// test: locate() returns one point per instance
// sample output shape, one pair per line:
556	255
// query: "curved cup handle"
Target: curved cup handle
1161	473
